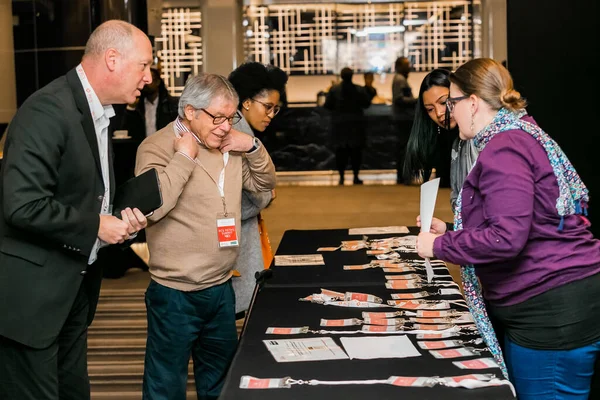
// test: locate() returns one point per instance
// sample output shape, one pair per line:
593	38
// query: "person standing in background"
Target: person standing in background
347	103
369	77
55	213
403	112
154	109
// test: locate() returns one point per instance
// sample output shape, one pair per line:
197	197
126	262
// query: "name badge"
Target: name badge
226	231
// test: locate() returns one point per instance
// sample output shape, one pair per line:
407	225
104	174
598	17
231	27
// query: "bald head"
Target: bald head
117	62
112	34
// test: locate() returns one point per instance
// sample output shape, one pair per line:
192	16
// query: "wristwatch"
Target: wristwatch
255	145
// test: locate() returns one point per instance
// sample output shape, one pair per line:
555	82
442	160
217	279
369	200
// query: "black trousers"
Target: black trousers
57	372
342	155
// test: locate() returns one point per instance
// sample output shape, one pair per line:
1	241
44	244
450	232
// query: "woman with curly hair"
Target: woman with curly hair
260	88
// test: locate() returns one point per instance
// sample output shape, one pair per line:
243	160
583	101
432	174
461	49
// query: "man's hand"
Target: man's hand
186	144
112	230
135	220
425	244
236	141
438	226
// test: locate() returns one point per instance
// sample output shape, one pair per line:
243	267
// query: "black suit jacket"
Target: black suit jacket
51	196
134	121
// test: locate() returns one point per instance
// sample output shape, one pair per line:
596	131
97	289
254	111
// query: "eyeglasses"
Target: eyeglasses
451	102
219	119
269	108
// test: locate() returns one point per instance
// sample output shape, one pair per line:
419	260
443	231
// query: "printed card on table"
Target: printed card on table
378	230
309	349
370	347
298	260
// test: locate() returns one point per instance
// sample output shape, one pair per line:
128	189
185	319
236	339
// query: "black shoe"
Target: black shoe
341	182
357	181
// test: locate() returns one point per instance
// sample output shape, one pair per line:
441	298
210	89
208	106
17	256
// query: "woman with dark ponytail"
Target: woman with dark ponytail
434	148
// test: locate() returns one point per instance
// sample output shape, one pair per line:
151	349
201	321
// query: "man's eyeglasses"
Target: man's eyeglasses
219	119
269	108
451	102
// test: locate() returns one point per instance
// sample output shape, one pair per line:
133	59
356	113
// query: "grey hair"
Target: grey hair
112	34
201	89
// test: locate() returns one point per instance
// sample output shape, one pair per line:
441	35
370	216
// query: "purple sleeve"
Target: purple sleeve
506	185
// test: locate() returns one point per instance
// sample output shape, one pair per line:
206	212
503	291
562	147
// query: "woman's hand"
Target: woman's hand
438	226
425	244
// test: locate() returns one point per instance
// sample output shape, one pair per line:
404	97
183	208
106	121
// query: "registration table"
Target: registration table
276	304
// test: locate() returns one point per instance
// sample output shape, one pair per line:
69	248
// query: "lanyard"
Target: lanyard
180	127
221	183
87	88
100	129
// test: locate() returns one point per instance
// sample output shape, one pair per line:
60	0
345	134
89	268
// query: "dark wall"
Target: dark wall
50	35
551	48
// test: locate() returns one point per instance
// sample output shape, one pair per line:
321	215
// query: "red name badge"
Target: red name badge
226	232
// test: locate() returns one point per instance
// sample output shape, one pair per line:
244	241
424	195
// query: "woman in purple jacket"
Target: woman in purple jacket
521	240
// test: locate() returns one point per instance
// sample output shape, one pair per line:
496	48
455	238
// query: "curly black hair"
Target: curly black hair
253	78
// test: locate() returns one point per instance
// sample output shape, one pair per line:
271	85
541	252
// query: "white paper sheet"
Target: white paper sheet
378	230
429	191
301	259
370	347
310	349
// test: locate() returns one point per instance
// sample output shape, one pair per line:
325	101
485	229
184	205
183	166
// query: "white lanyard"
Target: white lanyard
87	88
101	137
472	381
221	181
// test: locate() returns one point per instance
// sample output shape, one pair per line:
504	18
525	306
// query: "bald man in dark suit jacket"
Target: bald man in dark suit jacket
57	185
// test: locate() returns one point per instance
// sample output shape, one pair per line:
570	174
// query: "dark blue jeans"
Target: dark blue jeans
200	323
551	374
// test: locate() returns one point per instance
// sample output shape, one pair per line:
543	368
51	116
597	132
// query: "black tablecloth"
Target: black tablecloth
332	273
276	305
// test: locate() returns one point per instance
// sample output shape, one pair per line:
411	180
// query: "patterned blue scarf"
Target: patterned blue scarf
573	198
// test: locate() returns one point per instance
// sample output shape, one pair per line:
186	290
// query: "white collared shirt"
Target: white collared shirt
101	117
150	117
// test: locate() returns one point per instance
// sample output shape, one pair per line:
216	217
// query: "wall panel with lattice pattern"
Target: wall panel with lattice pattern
322	38
179	48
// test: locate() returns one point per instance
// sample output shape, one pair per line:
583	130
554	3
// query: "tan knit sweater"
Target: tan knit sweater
182	234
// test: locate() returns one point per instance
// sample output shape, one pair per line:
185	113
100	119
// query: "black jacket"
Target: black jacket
50	199
347	103
134	121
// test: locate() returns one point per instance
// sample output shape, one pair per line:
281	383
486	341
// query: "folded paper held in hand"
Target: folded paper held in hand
141	192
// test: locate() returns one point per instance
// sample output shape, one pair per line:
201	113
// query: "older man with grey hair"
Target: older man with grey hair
193	239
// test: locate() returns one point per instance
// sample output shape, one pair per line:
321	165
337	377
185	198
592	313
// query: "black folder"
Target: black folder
142	192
